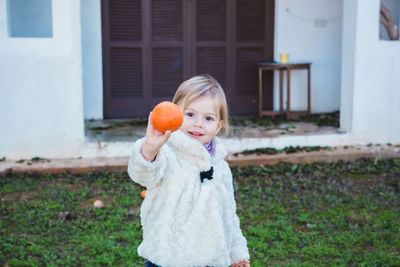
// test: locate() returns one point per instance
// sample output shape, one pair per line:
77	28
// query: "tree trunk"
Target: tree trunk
388	22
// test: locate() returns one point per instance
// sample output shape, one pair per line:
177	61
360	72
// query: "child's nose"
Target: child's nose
198	122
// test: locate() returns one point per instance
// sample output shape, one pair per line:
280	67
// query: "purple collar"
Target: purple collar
210	147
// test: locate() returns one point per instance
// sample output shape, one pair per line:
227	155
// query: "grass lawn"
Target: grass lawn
336	214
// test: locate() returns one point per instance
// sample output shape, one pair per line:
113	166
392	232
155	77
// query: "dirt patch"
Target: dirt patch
18	196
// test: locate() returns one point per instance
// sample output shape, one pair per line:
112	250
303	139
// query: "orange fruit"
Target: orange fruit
167	116
143	194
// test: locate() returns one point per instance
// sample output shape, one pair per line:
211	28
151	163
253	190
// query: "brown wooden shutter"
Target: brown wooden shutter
212	60
246	70
125	20
151	46
123	58
167	71
250	21
167	48
166	20
210	43
126	72
253	43
231	38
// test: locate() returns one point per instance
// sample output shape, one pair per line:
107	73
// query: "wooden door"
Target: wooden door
151	46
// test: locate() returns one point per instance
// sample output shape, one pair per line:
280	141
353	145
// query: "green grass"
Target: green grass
336	214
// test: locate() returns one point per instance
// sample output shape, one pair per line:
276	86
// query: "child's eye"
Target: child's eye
209	118
189	114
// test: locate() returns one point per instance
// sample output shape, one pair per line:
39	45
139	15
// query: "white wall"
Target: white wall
41	110
298	31
348	64
92	64
376	104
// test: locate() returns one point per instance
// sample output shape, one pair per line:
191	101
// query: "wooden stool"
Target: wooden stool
282	68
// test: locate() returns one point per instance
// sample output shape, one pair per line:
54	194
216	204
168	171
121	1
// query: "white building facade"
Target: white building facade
51	76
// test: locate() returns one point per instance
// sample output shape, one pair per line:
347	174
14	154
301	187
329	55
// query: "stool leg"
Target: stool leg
309	91
260	95
288	95
281	90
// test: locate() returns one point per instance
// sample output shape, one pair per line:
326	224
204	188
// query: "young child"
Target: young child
189	213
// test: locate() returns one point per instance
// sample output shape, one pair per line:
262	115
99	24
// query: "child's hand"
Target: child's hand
154	141
243	263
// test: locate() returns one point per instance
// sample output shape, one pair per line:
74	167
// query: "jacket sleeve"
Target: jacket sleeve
144	172
239	250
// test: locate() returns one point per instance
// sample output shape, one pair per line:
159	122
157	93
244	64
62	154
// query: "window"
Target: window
389	20
29	18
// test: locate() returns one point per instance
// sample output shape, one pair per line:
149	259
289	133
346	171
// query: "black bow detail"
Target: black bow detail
206	174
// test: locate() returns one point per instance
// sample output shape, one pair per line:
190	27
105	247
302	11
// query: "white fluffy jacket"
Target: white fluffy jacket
187	223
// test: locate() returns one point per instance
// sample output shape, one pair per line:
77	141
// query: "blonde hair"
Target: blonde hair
203	85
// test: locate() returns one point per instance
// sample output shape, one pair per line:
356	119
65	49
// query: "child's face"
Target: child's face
200	119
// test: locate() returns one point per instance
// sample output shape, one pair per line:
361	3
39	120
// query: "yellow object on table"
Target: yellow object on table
284	58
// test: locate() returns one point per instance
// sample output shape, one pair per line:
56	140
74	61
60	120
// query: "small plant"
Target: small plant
274	121
37	159
258	151
323	119
288	150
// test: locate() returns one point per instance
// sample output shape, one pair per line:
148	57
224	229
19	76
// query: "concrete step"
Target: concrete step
78	165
